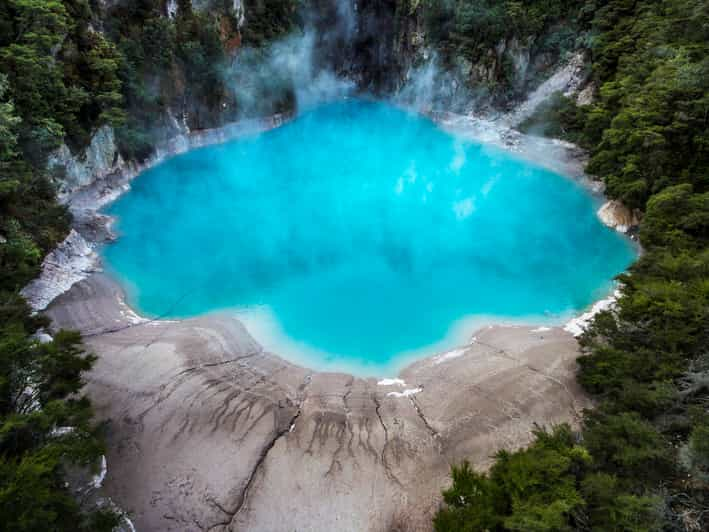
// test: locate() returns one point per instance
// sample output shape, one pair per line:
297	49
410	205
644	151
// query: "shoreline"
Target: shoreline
76	258
208	428
461	335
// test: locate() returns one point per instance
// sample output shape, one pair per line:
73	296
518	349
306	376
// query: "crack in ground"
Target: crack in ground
383	458
346	427
347	395
174	382
243	496
434	433
216	504
215	364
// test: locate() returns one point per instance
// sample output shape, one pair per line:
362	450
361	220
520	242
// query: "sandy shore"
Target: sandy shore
209	432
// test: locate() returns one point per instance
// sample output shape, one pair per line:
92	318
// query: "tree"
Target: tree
677	218
534	489
611	509
8	124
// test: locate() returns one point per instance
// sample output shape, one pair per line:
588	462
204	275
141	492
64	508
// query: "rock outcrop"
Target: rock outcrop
74	172
619	217
72	261
587	95
568	80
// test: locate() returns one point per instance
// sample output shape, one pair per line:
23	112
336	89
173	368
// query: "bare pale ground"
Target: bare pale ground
209	432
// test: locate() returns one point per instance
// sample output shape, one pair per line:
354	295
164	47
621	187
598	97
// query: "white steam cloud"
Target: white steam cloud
297	70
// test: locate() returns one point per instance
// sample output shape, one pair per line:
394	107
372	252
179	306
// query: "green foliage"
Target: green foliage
699	445
467	24
649	128
611	509
677	218
199	49
535	489
62	75
268	20
58	81
628	446
39	383
169	64
473	502
8	124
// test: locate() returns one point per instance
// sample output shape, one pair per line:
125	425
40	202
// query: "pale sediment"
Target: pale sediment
209	432
559	156
579	324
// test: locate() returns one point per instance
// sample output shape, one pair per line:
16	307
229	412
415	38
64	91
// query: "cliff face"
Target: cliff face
377	64
392	45
385	47
99	159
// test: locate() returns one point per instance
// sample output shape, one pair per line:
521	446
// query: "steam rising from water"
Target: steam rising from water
297	69
314	64
358	236
263	80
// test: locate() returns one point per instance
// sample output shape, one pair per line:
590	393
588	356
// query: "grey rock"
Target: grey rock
72	261
100	159
619	217
587	95
567	79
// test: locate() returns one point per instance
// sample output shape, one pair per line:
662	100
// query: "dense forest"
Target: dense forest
640	460
45	426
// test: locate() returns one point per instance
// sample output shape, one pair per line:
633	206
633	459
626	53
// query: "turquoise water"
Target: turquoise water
358	236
